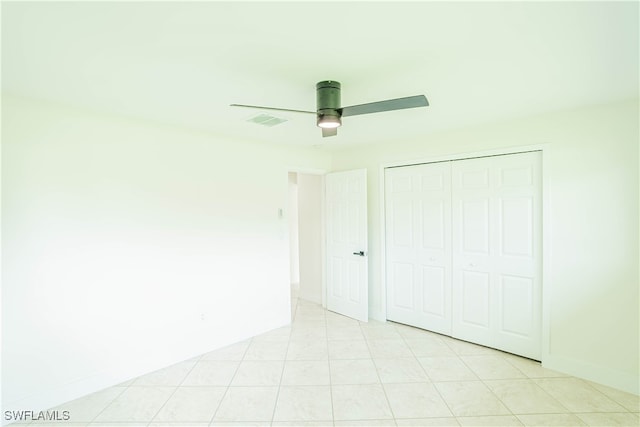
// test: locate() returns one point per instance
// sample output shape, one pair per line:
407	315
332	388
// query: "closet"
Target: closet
464	249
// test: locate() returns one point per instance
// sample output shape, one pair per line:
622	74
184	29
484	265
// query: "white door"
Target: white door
347	266
464	249
497	287
418	215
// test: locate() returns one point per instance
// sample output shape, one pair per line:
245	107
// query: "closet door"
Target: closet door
496	288
418	241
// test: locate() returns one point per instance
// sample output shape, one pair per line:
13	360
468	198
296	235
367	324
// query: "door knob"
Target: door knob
361	253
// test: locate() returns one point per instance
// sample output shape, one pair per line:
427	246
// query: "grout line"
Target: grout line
483	381
375	366
174	390
326	327
429	377
284	362
230	381
108	404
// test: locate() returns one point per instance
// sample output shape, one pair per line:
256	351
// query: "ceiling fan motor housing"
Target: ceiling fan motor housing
328	101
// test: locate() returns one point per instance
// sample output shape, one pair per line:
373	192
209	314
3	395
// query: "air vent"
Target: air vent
266	120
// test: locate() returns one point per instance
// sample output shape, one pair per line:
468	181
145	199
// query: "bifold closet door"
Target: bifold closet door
496	288
463	249
418	241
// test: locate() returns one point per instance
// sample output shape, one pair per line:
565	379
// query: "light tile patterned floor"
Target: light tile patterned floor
329	370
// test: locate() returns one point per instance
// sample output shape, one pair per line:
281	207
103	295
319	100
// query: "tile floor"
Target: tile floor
329	370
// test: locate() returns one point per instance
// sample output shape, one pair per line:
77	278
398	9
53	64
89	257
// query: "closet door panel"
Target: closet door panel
497	234
518	287
418	227
471	246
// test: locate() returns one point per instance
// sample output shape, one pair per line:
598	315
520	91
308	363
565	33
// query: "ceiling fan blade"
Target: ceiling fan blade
272	108
388	105
329	132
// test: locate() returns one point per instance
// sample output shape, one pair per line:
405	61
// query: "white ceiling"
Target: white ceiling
184	63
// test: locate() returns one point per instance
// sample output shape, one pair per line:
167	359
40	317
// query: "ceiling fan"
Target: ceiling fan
329	112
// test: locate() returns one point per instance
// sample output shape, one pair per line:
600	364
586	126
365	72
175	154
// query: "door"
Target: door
418	210
497	284
464	249
347	266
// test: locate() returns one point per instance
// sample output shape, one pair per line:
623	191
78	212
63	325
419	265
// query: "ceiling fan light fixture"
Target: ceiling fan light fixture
329	121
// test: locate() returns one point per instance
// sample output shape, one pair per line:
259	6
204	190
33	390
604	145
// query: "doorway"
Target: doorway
306	237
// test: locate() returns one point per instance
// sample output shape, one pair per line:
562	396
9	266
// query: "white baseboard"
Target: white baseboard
604	375
117	373
307	296
56	396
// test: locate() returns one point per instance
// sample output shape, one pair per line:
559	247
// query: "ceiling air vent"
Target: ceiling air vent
266	120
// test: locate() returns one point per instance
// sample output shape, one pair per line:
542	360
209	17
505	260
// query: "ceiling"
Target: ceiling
183	63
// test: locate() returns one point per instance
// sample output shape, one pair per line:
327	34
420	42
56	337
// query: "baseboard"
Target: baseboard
311	297
56	396
604	375
118	373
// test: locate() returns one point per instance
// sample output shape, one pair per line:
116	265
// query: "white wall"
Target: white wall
129	246
593	281
310	219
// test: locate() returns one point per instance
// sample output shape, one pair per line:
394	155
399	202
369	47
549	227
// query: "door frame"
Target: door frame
546	284
323	249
